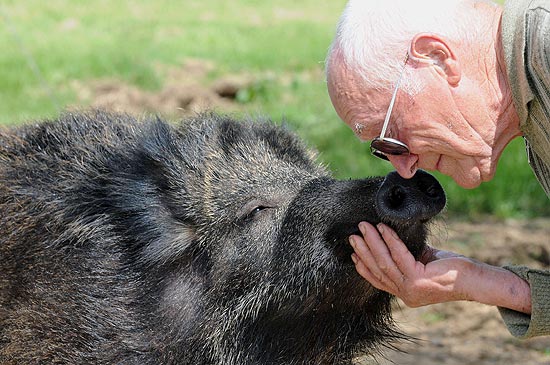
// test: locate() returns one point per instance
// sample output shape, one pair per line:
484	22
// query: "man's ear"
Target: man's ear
436	49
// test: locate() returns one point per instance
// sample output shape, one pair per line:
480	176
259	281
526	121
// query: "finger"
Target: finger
402	257
381	253
365	255
369	262
364	271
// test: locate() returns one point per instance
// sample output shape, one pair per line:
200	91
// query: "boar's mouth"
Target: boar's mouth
406	205
413	235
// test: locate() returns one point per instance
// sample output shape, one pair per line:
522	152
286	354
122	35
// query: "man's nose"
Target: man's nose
405	165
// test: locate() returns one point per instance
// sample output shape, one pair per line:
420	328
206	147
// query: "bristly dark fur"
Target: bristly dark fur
129	241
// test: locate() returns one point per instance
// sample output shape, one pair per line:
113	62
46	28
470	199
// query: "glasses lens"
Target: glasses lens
379	154
388	146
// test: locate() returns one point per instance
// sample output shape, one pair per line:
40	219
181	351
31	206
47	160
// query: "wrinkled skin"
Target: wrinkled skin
210	242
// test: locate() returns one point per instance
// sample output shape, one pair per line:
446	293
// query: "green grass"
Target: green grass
284	43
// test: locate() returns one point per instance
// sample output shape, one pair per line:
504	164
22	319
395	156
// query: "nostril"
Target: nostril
432	191
396	197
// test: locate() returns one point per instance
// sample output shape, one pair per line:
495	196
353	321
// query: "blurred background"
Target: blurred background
265	59
247	57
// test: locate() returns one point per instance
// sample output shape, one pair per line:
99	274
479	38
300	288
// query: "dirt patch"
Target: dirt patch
464	333
187	90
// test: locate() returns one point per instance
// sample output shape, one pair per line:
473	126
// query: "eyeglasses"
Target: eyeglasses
381	146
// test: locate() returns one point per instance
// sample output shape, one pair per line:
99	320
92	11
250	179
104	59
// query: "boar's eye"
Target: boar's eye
252	209
257	210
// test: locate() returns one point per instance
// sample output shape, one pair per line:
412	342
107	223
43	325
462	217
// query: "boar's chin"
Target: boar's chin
356	318
413	236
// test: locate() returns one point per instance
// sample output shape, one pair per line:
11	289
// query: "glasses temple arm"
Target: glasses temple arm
392	101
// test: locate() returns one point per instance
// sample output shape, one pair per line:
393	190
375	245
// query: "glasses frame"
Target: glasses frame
382	146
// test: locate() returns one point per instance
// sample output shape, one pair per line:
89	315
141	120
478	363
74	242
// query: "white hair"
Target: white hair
373	36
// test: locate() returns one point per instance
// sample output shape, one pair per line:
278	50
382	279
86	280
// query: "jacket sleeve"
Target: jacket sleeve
522	325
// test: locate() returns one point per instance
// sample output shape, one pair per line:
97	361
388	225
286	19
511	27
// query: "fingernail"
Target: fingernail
354	258
352	241
380	227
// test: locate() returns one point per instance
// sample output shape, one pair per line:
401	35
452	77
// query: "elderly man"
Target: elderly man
446	85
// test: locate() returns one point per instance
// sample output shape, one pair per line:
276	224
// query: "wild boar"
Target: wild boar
214	241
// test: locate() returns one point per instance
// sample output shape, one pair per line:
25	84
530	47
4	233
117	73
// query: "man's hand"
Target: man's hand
440	276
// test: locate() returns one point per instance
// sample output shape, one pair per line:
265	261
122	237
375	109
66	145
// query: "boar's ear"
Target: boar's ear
289	147
161	162
162	165
156	152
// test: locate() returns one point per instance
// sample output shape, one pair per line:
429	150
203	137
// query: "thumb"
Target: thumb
428	255
431	254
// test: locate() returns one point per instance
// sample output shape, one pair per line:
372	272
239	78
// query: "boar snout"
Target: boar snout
405	201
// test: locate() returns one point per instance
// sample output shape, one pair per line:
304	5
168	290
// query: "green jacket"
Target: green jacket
526	43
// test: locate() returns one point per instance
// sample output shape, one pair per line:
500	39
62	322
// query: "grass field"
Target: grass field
47	46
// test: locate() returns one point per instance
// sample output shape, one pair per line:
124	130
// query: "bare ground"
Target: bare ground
459	333
187	90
